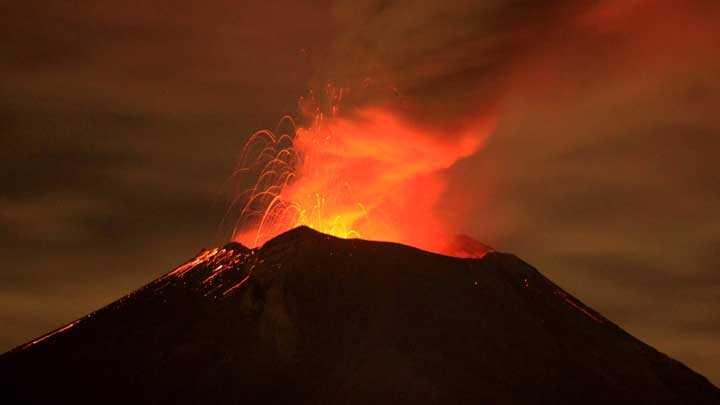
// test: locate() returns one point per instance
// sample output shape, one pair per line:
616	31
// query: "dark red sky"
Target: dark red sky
121	122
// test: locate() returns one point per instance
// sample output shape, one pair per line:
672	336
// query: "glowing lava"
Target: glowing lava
369	174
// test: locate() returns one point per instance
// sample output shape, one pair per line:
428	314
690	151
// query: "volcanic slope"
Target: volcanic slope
312	319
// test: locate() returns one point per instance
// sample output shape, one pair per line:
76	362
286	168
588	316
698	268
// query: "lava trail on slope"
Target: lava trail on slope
309	318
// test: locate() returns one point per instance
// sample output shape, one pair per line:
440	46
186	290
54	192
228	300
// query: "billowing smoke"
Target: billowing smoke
409	89
368	173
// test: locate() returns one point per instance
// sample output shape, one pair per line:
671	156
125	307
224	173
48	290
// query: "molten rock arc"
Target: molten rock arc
371	175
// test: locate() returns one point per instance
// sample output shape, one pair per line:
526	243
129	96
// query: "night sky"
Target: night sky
121	123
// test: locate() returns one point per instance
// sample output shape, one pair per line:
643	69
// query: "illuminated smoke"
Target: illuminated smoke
367	173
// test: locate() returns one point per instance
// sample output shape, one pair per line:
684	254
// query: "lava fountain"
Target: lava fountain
368	173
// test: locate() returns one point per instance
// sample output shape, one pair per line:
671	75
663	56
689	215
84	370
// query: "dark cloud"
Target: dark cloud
121	122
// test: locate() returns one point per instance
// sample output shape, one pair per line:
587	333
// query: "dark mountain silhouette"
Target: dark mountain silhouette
312	319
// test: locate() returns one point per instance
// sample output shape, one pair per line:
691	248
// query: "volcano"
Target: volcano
309	318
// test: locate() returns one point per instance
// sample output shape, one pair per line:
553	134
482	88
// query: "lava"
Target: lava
366	173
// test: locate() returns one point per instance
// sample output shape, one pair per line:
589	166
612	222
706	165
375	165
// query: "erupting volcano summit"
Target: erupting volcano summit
309	318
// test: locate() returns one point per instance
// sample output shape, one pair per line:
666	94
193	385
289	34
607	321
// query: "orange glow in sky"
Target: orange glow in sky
371	175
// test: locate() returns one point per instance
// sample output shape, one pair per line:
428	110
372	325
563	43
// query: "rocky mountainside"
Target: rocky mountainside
310	319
